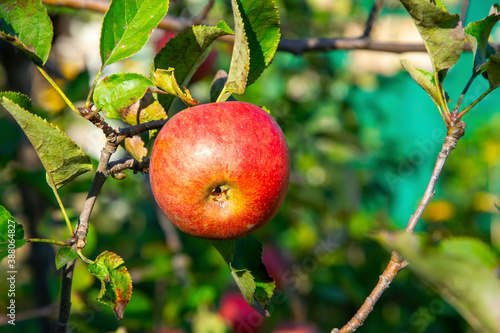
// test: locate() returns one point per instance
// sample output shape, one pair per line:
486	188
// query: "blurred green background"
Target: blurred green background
363	138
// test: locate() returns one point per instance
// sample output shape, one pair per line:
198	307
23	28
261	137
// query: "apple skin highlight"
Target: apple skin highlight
220	170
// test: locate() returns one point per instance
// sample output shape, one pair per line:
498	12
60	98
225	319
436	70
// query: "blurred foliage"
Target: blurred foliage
363	143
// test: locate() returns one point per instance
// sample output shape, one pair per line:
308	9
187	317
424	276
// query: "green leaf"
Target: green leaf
459	270
442	33
65	255
186	52
62	158
116	284
165	80
493	71
244	257
257	34
236	81
262	29
11	237
126	27
117	94
478	33
26	25
424	79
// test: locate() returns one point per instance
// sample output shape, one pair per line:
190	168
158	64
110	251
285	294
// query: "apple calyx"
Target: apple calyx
220	194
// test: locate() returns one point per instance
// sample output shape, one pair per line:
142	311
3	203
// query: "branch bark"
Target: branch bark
397	263
104	169
294	46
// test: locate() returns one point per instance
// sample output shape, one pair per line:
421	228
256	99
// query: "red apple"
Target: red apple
239	315
276	263
220	170
207	67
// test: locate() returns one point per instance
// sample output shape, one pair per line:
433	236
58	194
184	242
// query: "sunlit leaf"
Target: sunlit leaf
186	52
442	32
424	79
459	270
127	25
62	158
478	33
165	80
26	25
244	257
135	146
116	284
257	34
119	96
11	236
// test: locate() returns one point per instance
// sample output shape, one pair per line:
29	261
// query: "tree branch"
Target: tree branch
138	129
464	10
128	163
168	22
397	263
377	7
295	46
198	19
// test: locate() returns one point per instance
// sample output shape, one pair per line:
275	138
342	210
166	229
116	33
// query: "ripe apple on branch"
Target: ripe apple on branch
221	170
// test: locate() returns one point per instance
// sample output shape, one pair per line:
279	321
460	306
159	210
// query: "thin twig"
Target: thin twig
480	98
377	7
128	163
138	129
198	19
295	46
450	142
167	23
50	241
300	46
464	10
397	263
467	86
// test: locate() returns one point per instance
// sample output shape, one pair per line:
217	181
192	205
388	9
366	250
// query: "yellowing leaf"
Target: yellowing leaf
165	80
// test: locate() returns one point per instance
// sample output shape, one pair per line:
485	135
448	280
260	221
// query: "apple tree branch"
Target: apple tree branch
397	263
105	168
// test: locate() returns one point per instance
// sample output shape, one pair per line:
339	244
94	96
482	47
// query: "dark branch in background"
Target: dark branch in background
198	19
464	10
114	137
295	46
377	7
168	23
397	263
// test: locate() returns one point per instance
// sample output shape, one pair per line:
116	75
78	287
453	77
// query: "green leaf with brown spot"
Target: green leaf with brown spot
61	157
116	283
120	96
64	256
26	25
478	34
442	32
